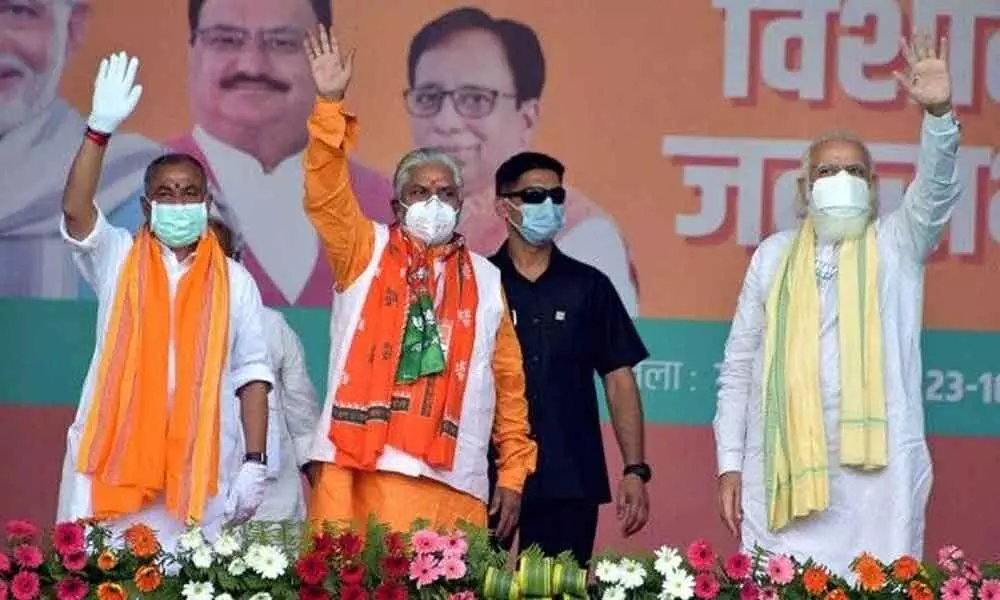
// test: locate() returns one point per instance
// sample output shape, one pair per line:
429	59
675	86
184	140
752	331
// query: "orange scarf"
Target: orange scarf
138	442
371	409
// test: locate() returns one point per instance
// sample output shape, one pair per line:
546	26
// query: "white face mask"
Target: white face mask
431	221
840	207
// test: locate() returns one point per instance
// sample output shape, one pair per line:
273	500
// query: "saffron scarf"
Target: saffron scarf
795	453
406	369
137	442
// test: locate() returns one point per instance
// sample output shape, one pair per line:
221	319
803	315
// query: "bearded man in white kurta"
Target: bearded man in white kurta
819	426
157	437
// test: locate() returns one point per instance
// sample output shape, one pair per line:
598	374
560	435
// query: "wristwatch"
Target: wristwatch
257	457
640	470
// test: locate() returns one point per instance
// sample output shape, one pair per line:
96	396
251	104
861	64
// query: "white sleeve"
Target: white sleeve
299	399
736	374
597	242
99	256
917	225
248	359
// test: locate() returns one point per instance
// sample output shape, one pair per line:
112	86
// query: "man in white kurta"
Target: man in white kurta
293	412
176	185
880	510
293	406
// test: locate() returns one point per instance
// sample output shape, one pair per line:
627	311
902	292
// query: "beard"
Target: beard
39	88
837	228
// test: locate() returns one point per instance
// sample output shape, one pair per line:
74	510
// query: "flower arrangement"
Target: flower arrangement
280	561
700	573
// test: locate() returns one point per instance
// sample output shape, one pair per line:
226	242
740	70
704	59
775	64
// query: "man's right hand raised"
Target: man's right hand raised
115	92
331	70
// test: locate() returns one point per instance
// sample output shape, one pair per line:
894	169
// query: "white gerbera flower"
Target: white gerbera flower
198	590
227	545
223	597
607	571
679	585
668	560
202	557
614	592
192	539
237	567
269	562
632	574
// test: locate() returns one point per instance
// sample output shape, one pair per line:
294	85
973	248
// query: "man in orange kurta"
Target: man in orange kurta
425	365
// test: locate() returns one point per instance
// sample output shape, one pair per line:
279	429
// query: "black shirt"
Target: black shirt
571	323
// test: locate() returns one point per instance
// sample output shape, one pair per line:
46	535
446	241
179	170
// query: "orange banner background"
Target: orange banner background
618	81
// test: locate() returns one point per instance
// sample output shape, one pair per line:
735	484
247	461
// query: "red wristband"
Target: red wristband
101	139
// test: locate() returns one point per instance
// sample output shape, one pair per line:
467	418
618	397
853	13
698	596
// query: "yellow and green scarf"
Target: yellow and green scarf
795	455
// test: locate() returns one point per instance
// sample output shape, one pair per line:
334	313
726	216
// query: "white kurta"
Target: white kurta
35	159
880	512
291	420
100	257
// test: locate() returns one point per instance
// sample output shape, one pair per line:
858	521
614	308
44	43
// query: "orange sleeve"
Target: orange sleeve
517	452
330	203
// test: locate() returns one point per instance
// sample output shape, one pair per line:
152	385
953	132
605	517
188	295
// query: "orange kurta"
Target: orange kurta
349	238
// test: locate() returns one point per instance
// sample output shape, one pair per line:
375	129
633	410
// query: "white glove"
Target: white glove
247	493
115	96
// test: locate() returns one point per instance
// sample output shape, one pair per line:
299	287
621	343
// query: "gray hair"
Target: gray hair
420	157
801	192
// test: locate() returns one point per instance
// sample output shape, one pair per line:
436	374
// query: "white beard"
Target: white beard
835	228
38	89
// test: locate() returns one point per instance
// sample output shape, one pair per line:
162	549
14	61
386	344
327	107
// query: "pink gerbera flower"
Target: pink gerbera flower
68	537
17	529
455	545
956	588
749	591
701	556
71	588
466	595
4	563
768	593
28	557
737	566
780	569
453	568
426	541
972	573
990	589
706	586
424	570
75	561
25	585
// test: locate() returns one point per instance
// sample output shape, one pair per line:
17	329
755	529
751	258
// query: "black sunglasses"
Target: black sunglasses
538	195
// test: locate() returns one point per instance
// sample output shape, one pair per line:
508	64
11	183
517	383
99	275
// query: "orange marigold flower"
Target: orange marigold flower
110	591
147	579
918	590
814	579
871	576
905	568
142	540
107	560
837	594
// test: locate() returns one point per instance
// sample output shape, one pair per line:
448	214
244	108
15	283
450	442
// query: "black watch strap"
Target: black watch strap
257	457
640	470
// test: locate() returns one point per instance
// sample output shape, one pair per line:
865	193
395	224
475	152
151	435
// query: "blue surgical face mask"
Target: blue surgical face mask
178	225
541	222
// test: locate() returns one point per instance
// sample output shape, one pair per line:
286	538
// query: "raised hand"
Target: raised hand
331	71
926	77
115	92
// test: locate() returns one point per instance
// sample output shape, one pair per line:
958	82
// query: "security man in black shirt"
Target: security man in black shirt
571	324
